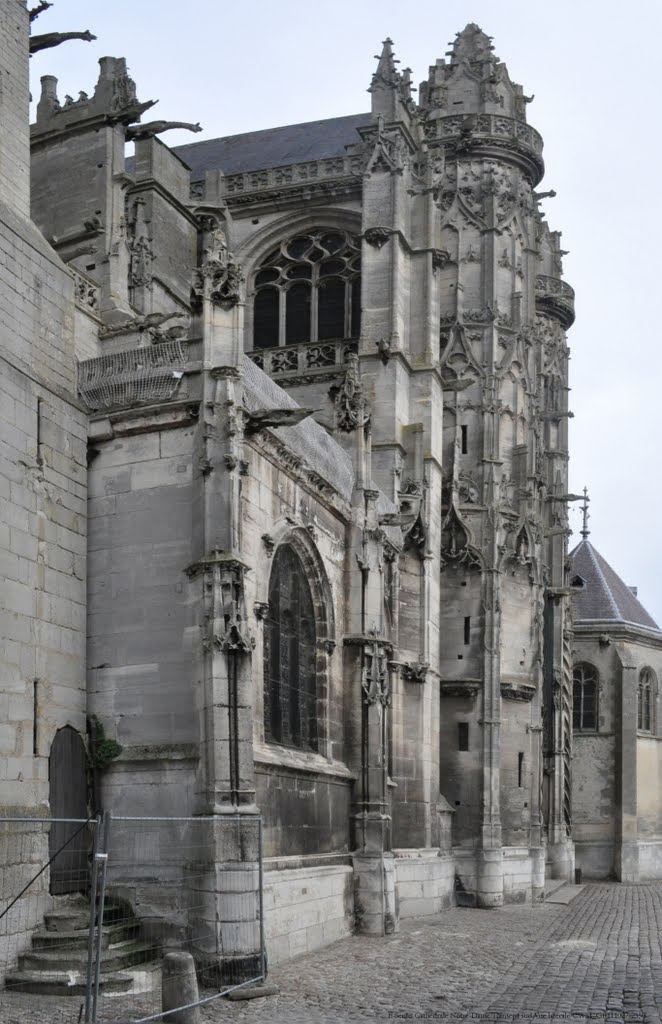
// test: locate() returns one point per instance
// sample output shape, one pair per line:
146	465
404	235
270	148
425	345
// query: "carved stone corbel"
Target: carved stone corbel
377	236
269	543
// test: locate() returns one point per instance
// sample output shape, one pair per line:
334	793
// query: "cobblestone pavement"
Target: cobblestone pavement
599	958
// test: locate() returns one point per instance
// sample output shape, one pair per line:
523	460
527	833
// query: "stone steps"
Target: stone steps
64	983
116	957
57	962
77	939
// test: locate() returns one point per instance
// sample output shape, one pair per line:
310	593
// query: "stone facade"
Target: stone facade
317	549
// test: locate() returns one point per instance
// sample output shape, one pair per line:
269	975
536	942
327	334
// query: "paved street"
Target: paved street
599	958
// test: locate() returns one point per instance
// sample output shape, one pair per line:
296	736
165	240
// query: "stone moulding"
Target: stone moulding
518	691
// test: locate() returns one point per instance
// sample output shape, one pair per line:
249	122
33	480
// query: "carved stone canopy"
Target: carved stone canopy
352	407
517	691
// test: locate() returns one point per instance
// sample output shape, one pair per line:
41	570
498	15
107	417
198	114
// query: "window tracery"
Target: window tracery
290	684
308	289
584	698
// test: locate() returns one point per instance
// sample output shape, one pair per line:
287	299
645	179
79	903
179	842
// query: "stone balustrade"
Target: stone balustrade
555	298
309	358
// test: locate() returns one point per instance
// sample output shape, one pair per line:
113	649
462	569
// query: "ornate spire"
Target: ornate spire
585	516
386	74
472	44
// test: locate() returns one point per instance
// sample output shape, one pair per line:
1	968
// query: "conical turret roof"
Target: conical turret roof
604	597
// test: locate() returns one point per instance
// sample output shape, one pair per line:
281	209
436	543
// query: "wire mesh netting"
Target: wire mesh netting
133	377
167	912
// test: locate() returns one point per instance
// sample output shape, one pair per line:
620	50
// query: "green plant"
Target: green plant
103	750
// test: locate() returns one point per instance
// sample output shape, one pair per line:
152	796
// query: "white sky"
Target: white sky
594	68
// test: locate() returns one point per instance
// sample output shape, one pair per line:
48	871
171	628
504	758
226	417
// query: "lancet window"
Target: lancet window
585	698
646	694
309	289
290	685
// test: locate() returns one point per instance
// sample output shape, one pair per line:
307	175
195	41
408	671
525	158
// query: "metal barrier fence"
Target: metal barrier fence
92	908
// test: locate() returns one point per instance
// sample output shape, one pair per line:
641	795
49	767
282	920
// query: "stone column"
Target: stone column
367	656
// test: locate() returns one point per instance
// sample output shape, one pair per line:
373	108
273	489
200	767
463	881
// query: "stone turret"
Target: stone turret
503	312
471	103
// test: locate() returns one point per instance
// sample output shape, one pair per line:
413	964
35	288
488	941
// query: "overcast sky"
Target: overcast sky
594	68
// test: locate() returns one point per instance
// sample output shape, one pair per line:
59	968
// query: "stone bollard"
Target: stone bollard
179	987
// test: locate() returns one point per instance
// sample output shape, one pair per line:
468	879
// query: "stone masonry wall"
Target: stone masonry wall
140	662
42	488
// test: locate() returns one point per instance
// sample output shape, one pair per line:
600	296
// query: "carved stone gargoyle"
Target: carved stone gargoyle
34	12
152	128
397	518
49	39
259	419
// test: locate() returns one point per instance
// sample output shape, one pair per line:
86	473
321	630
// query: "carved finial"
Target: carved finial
585	516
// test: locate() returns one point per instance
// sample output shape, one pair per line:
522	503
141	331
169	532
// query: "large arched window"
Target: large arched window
584	698
646	697
290	653
309	289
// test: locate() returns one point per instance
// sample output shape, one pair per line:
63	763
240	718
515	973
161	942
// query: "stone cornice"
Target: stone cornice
592	629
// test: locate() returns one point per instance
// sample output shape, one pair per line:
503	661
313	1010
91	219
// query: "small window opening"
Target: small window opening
467	629
462	735
35	708
40	451
463	440
520	767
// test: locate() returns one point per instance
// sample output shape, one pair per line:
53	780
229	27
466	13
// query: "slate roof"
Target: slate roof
604	597
273	147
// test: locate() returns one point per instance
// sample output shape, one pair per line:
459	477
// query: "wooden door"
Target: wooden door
68	798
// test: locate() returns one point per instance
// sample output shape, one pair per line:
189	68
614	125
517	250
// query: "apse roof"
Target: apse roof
273	147
604	597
